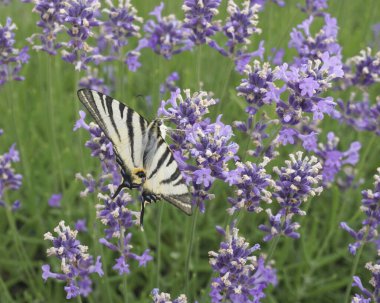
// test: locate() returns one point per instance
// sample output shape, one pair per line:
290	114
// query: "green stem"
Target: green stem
5	291
124	286
199	64
56	157
158	246
353	270
190	248
273	248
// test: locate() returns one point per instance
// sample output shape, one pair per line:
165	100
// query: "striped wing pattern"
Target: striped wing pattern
138	144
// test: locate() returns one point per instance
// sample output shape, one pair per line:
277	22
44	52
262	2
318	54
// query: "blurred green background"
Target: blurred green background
39	113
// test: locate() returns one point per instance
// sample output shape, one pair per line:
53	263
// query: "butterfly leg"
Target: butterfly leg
147	197
126	183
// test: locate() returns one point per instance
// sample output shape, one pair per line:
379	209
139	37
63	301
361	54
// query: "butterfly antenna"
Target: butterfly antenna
142	215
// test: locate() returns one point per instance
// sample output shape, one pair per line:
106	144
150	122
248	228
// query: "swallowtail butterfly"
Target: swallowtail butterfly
144	157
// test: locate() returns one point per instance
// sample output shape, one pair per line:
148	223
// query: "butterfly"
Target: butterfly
144	157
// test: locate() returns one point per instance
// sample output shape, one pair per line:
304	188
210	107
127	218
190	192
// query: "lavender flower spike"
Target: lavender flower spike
371	208
241	276
162	297
198	18
11	58
76	263
296	182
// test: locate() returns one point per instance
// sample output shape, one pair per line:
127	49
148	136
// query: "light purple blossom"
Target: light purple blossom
170	84
314	7
79	16
9	179
198	18
11	59
76	263
333	159
80	225
92	81
371	207
161	297
368	296
252	183
297	182
55	200
51	22
240	275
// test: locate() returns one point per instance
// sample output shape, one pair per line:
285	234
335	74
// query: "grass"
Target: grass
39	113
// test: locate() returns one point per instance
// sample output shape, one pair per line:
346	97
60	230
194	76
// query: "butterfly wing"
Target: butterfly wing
163	176
122	125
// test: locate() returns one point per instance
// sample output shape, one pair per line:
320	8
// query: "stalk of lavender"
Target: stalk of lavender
371	207
51	21
240	276
166	37
79	16
11	58
76	264
198	18
161	297
367	295
296	183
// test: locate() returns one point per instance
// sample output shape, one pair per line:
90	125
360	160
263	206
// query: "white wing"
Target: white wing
162	172
122	125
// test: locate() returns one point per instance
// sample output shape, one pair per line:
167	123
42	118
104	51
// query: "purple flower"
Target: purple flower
80	225
9	179
252	183
161	297
198	18
11	58
117	218
287	136
361	114
311	47
55	200
76	263
208	145
241	24
367	295
240	275
364	69
92	81
371	208
167	36
170	83
296	182
51	22
121	24
309	141
314	7
79	16
334	159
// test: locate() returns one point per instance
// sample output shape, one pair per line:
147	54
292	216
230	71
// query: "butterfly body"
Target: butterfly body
144	157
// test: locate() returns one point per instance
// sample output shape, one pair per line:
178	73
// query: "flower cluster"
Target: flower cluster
55	200
11	58
208	145
364	69
371	208
79	17
76	263
240	26
296	182
333	159
51	22
161	297
305	85
167	36
9	179
252	183
170	83
312	47
361	114
258	88
122	24
241	276
314	7
92	81
368	296
198	18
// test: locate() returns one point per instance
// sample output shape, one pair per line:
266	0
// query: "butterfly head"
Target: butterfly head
138	176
